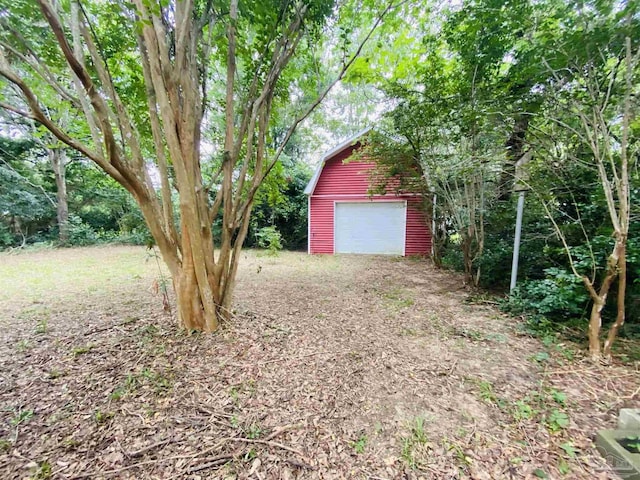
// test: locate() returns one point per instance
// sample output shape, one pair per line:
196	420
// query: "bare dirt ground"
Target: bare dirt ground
333	367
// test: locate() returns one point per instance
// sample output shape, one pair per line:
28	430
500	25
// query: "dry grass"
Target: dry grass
334	367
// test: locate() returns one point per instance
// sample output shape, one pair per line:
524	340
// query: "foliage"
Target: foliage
558	296
25	204
281	202
101	211
524	95
270	239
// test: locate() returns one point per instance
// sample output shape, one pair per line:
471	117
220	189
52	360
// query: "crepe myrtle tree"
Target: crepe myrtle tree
148	81
600	112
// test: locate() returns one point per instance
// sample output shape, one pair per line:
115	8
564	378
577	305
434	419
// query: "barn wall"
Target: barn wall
417	239
418	235
338	178
350	182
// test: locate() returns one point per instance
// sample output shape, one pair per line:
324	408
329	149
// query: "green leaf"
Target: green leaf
569	449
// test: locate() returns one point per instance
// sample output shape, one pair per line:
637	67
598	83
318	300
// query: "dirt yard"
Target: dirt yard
333	367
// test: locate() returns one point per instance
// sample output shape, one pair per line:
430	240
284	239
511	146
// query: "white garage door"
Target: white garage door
370	227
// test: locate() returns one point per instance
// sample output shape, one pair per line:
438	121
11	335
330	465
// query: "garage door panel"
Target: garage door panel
370	227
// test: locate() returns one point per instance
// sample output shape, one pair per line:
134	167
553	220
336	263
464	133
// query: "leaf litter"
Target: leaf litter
331	368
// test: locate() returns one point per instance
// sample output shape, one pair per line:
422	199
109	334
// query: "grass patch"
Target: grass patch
77	351
413	445
398	298
23	345
102	417
41	471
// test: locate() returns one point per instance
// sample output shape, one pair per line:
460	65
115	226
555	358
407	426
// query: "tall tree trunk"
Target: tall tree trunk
467	259
622	291
58	160
595	324
599	299
515	146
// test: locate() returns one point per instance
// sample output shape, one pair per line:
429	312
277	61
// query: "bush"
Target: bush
270	239
137	236
81	234
6	237
559	296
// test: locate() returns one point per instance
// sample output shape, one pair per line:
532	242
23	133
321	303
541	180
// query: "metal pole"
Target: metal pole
433	223
516	242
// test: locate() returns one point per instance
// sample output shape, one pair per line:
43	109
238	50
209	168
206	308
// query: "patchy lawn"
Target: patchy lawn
334	367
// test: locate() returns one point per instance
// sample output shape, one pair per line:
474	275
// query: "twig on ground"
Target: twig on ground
299	464
150	462
281	430
266	442
142	451
211	462
630	397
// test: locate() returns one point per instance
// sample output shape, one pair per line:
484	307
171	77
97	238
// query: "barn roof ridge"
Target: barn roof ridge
311	186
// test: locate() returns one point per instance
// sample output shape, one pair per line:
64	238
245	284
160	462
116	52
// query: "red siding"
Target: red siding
418	235
350	181
338	178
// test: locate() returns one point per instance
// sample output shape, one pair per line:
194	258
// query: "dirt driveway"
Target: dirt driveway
334	367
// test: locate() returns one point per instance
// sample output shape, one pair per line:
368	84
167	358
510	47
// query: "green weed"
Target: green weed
22	416
253	431
557	420
523	411
77	351
41	327
359	445
160	382
541	357
486	391
563	467
117	394
42	471
23	345
411	444
102	417
569	449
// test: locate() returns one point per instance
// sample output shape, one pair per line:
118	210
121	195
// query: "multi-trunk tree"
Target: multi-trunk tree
597	112
175	101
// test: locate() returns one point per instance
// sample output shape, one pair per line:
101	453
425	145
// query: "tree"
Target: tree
25	204
602	102
192	69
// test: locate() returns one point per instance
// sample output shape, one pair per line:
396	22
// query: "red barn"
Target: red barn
345	218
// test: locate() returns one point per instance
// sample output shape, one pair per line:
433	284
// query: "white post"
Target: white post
308	224
516	242
433	223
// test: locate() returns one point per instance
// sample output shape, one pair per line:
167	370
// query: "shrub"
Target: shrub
80	233
270	239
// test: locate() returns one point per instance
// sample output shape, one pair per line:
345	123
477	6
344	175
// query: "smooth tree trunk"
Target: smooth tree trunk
622	291
58	161
599	299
